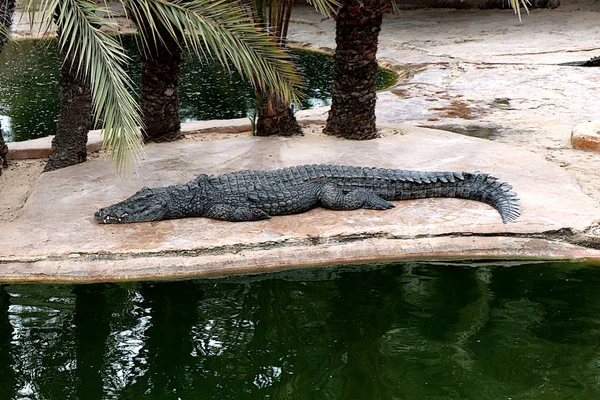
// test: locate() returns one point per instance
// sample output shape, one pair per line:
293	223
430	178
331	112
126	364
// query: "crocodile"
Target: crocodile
251	195
592	62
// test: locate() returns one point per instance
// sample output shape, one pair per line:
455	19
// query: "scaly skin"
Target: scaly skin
255	195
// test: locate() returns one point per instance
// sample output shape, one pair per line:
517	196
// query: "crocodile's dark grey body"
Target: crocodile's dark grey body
592	62
255	195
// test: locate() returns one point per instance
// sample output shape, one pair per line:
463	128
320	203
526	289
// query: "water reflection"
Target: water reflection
409	331
125	355
43	341
7	375
29	80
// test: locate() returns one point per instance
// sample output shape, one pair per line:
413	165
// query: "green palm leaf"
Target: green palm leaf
4	34
516	5
274	15
99	59
4	17
223	30
325	7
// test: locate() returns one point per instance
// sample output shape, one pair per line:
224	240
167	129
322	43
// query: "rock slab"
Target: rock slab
56	237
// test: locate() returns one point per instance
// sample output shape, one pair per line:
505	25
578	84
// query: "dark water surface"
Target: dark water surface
404	331
29	71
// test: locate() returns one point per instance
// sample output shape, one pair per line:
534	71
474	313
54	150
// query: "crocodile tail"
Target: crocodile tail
490	190
465	185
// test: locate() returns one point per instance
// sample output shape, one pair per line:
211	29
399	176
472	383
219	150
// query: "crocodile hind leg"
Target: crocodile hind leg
333	197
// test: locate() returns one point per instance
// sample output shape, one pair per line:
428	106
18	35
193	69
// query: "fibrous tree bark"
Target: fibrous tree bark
275	117
352	114
69	145
3	152
7	8
159	101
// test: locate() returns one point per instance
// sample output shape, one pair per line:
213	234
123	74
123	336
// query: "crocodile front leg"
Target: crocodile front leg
228	212
333	197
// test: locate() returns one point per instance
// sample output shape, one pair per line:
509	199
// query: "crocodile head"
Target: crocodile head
146	205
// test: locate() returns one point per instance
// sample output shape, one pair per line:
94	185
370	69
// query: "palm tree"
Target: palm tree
7	8
216	27
69	145
358	23
95	58
357	26
275	116
161	67
162	53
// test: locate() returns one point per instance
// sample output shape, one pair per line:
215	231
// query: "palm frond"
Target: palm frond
6	13
4	34
43	9
224	30
99	59
516	6
272	15
325	7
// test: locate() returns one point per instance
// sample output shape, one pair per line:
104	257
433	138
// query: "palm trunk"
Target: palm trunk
352	114
7	8
159	101
69	146
69	143
274	116
3	152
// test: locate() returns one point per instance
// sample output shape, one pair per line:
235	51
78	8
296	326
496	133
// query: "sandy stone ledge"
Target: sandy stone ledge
54	237
76	267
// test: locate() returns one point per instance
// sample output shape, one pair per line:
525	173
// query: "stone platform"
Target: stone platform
56	238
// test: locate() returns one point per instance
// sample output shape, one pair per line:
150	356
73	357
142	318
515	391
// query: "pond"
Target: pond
402	331
29	80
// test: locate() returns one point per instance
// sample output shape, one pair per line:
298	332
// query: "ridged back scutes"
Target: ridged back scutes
304	173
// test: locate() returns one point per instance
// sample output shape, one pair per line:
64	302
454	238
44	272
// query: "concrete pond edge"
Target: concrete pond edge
260	259
585	135
42	147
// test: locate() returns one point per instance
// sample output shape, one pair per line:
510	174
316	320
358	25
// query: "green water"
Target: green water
29	71
404	331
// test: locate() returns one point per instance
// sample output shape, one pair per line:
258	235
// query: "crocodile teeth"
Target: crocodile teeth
110	218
